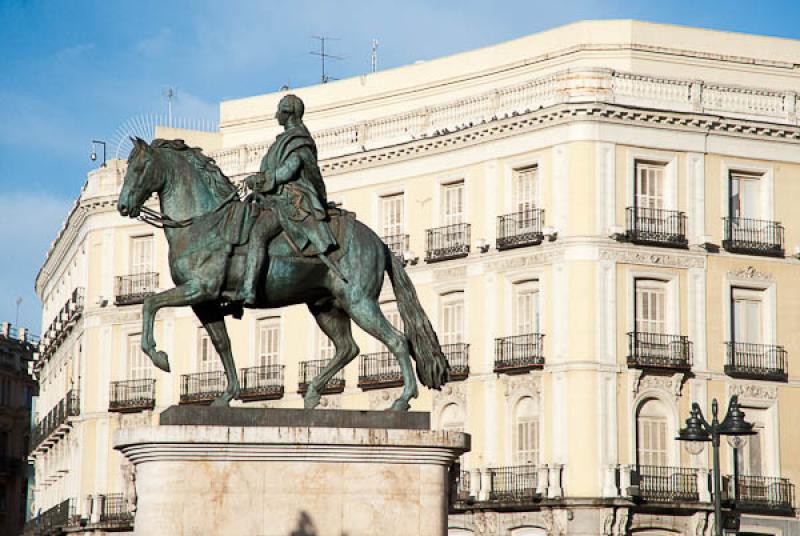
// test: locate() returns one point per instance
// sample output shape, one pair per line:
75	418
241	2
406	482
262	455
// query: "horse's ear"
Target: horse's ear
140	144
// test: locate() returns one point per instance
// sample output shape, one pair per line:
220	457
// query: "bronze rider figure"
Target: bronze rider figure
295	199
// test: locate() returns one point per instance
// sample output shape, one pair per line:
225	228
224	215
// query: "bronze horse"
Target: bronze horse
206	269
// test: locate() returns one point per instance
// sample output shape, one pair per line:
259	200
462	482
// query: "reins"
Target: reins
160	221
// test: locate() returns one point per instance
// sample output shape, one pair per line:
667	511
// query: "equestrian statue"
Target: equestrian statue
284	244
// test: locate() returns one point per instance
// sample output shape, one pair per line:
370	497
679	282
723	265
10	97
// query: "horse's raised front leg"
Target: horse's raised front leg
213	321
186	294
336	325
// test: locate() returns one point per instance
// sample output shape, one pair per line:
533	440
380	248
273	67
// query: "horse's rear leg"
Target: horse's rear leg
336	325
187	294
369	317
214	322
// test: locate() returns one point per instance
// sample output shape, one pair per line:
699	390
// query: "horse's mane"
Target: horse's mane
207	168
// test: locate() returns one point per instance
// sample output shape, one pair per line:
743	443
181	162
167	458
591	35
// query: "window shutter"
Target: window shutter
268	342
392	215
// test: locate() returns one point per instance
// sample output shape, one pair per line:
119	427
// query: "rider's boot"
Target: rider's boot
252	270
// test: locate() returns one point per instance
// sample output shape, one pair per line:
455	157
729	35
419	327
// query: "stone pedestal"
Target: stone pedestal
329	473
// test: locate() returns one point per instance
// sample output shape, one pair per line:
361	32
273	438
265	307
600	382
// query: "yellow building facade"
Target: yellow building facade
599	221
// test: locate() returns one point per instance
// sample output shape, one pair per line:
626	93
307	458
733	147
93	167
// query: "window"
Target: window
208	358
392	223
453	203
746	307
526	432
524	195
526	308
141	254
324	348
452	331
650	306
649	186
744	195
138	364
268	342
651	434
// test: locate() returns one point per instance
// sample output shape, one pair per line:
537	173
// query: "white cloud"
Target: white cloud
28	224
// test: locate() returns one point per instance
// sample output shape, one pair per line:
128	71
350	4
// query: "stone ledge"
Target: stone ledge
288	417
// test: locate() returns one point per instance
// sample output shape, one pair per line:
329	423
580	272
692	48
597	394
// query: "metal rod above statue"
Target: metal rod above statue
283	245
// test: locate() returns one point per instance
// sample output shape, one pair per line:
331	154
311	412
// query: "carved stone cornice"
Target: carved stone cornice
752	391
631	255
533	259
529	384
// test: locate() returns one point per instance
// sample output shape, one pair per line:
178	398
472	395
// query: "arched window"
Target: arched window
525	440
651	433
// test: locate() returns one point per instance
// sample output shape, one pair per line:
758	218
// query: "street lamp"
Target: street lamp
93	156
699	431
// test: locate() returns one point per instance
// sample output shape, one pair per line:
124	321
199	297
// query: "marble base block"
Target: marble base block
290	480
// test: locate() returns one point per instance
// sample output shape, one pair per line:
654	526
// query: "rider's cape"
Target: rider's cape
301	204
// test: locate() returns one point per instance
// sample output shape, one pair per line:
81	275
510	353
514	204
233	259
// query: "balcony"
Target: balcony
134	288
69	406
754	237
515	484
397	244
458	356
656	227
311	369
509	488
62	324
756	361
518	354
448	242
660	484
762	494
659	351
202	387
113	512
132	395
378	371
53	520
520	229
262	383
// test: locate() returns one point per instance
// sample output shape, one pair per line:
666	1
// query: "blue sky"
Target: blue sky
75	71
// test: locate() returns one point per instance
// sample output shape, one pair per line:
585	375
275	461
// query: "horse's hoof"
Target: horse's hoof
400	405
221	402
161	360
312	399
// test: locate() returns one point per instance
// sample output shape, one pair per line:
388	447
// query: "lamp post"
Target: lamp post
699	431
93	156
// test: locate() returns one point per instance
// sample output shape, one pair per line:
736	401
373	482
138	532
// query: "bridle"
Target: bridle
160	221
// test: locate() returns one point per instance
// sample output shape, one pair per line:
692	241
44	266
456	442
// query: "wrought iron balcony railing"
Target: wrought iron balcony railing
62	324
67	407
378	371
761	493
514	484
662	484
53	520
520	229
656	227
756	361
448	242
132	395
398	244
134	288
262	383
114	512
519	353
202	387
659	351
458	356
311	369
757	237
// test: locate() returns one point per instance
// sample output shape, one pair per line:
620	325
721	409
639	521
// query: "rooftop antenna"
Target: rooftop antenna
323	55
16	316
170	94
374	55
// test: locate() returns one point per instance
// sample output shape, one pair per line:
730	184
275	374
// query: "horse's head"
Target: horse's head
140	179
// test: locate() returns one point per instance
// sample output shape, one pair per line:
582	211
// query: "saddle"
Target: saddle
238	218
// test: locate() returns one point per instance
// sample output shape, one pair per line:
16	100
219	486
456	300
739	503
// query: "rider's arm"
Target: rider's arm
288	171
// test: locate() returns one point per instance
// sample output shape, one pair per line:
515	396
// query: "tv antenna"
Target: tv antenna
374	55
322	55
170	94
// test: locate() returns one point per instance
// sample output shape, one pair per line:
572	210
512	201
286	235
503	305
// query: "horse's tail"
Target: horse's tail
432	365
